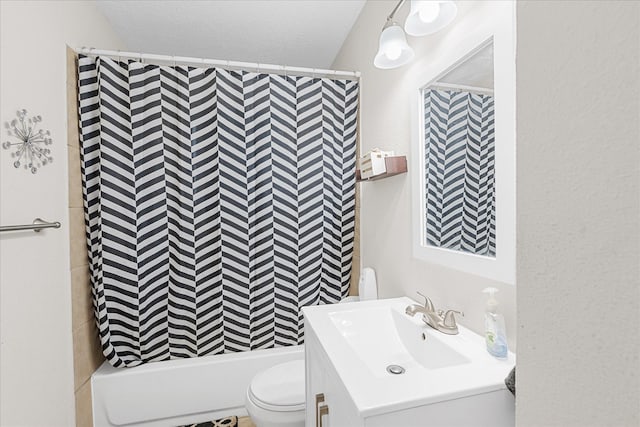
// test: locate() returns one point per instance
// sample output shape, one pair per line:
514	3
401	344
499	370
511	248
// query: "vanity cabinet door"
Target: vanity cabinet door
315	383
327	402
492	409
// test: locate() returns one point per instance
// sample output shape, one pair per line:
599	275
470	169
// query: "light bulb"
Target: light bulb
393	52
429	11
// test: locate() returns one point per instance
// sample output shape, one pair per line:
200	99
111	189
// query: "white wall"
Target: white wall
578	211
36	366
578	184
387	97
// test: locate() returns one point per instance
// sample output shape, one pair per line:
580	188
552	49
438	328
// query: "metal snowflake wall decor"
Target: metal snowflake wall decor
31	151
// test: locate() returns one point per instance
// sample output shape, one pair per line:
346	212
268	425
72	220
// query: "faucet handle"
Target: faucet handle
427	302
449	320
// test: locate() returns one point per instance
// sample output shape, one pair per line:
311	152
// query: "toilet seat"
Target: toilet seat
279	388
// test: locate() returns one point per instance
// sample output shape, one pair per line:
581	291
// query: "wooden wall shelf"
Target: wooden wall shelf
395	165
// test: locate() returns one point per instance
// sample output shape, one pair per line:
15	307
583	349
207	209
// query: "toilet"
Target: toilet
276	396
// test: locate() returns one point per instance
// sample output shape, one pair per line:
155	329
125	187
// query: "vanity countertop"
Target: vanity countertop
362	338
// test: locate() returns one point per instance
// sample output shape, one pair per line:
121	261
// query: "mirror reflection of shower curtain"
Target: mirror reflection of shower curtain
459	166
217	204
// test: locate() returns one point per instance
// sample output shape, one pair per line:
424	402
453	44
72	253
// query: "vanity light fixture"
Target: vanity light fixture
393	50
425	17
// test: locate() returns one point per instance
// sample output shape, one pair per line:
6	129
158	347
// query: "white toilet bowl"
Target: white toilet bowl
275	397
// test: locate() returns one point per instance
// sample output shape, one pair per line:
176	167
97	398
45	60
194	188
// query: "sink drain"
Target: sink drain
395	369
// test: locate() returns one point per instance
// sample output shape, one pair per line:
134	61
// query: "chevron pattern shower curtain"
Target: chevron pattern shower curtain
459	167
217	204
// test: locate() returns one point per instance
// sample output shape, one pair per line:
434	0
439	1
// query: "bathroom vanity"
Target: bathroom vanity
370	364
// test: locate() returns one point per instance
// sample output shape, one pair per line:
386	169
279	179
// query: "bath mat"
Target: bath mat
223	422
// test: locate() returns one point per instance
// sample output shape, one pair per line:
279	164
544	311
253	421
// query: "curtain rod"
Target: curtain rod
202	61
450	86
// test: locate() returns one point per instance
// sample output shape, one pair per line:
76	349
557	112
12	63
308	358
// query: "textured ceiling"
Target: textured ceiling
305	33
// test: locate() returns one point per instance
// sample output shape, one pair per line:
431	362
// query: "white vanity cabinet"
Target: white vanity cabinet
329	404
449	381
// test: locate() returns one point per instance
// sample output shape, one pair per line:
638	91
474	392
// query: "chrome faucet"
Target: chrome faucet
439	320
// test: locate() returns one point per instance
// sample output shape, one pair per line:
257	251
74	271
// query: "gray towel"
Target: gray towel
510	381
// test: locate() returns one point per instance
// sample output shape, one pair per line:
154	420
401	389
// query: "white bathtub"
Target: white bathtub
178	392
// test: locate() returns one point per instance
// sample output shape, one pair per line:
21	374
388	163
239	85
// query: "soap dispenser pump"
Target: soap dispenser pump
495	331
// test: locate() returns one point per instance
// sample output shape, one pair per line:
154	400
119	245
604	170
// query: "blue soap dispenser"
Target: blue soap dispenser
495	331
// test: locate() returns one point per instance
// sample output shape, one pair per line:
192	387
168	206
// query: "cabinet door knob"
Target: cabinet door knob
320	409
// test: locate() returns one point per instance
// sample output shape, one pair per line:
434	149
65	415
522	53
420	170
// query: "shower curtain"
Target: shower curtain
217	203
459	166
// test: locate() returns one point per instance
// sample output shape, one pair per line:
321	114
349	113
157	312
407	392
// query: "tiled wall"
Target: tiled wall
355	264
87	355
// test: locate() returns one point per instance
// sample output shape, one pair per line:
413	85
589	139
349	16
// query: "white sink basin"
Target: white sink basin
362	339
381	336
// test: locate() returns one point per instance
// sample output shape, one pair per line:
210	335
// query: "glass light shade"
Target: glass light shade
393	51
428	17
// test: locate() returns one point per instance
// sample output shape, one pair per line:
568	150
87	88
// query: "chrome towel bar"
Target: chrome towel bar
38	224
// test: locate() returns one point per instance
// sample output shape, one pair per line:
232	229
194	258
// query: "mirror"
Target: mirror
459	148
463	154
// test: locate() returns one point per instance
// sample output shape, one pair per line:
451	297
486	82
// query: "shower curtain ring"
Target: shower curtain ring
174	60
119	59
